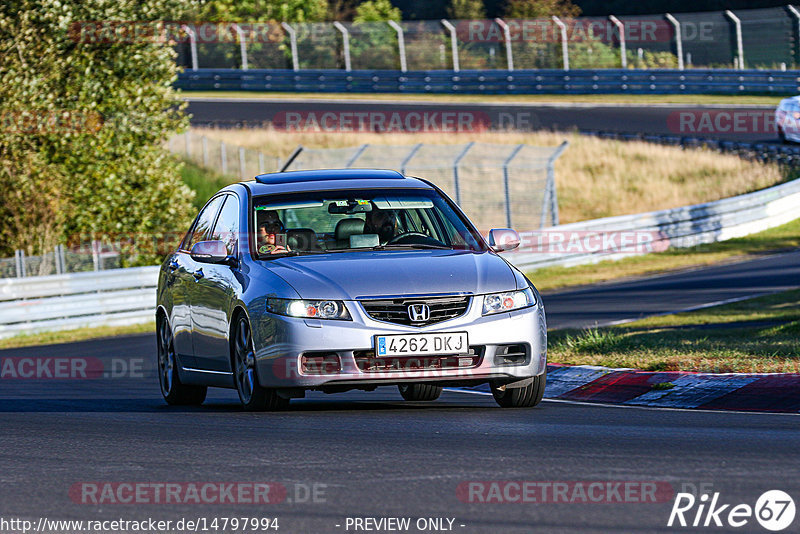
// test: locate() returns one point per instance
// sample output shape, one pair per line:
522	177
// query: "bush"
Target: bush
85	116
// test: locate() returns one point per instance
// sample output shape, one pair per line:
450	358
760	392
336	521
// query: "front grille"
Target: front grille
369	363
396	310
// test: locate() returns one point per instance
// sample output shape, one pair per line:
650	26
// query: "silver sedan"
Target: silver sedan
344	279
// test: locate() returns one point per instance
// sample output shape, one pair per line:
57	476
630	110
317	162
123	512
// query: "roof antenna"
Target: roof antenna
292	157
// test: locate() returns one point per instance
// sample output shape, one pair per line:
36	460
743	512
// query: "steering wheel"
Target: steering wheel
407	238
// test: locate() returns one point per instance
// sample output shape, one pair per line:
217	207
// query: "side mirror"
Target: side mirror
211	252
503	239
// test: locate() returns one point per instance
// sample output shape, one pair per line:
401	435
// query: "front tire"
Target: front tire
172	389
253	396
524	397
419	392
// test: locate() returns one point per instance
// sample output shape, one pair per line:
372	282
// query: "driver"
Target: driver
267	237
381	222
270	217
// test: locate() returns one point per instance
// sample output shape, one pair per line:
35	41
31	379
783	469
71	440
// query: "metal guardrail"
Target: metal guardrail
678	227
127	296
67	301
544	81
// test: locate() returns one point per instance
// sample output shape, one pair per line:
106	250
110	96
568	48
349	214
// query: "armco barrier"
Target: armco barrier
601	81
126	296
66	301
678	227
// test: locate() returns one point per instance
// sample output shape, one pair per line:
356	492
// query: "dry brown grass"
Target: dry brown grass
595	177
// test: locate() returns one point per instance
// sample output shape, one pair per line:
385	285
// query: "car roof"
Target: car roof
332	179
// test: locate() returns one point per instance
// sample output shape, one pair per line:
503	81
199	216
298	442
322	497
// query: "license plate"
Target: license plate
422	344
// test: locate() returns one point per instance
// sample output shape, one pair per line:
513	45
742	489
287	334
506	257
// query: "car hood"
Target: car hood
353	275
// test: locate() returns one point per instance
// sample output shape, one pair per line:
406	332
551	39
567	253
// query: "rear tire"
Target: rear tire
524	397
172	389
420	392
253	396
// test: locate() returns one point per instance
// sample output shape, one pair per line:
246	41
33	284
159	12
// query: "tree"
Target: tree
532	9
264	10
466	9
86	112
377	11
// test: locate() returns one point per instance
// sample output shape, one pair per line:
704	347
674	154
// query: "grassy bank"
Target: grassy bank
203	182
757	335
79	334
594	177
752	100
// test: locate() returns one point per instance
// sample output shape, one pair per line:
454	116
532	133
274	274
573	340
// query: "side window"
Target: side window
202	226
227	227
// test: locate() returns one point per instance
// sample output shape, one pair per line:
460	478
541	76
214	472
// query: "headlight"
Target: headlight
510	300
309	309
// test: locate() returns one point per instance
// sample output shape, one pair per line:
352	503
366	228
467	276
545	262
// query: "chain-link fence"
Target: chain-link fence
225	159
94	256
747	38
496	185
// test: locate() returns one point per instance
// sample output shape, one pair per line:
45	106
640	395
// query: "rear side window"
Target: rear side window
227	227
202	226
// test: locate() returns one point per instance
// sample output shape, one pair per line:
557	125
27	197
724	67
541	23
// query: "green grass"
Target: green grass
756	335
661	386
775	239
203	182
769	100
80	334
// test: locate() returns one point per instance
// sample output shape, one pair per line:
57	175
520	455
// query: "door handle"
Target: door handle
198	274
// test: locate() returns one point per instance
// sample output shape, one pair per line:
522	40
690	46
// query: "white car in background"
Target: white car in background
787	120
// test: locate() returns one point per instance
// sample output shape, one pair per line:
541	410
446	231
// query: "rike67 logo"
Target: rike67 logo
774	510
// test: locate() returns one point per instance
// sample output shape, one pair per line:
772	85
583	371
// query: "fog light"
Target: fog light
320	363
511	354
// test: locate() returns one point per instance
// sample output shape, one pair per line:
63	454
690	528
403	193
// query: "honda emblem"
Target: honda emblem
419	313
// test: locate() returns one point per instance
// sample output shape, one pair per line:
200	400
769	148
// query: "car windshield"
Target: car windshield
340	221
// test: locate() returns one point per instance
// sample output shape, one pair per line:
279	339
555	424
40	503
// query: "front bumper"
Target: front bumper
281	342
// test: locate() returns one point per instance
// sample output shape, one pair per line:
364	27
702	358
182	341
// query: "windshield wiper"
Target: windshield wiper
278	255
292	253
412	246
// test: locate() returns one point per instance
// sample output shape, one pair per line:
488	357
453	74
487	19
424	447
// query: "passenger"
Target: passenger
381	222
268	239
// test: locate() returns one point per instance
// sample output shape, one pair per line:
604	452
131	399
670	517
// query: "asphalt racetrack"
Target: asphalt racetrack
752	124
372	455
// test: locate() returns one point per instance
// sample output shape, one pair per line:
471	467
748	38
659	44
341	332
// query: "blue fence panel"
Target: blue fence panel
605	81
